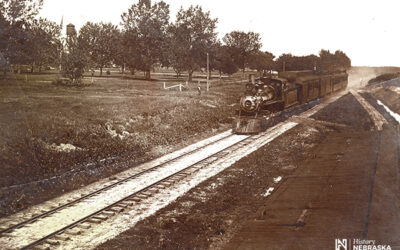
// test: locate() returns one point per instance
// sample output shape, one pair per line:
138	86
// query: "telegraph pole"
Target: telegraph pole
208	72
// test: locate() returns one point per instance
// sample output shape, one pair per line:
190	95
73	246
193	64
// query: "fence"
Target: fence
179	85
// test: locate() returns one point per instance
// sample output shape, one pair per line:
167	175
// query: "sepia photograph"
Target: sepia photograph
200	124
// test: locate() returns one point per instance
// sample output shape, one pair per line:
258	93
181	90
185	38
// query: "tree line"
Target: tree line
145	39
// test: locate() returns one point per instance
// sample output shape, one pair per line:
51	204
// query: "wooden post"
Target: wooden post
208	72
164	85
180	87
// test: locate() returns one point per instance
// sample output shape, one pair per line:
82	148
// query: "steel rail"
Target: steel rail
68	204
82	220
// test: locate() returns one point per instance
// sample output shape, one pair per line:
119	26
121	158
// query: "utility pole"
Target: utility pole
208	72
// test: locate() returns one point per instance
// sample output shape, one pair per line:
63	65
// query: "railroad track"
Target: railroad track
105	188
84	223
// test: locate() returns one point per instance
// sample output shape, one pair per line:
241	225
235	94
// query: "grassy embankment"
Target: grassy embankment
49	130
384	77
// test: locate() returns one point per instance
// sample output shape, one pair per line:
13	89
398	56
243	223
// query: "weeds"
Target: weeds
43	116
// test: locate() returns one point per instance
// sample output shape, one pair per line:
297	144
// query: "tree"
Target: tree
290	62
74	59
44	43
146	27
337	61
120	56
101	41
192	36
15	18
223	61
325	62
4	26
261	61
242	46
342	60
15	11
284	62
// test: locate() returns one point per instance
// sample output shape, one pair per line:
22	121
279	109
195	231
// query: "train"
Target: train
268	95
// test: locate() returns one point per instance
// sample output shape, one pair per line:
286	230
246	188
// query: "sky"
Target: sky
367	31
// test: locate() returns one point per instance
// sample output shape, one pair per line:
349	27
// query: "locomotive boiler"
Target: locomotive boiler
267	95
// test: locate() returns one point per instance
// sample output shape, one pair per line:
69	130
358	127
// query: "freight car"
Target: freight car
267	95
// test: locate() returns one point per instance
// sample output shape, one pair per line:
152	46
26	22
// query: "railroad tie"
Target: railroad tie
120	205
161	186
35	214
142	196
73	231
52	206
7	234
62	237
147	193
116	209
108	213
53	242
94	220
84	225
168	182
2	228
132	200
100	217
45	246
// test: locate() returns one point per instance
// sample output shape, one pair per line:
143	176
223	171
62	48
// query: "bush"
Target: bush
72	67
108	72
62	81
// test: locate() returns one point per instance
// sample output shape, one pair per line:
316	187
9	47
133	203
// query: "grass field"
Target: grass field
48	130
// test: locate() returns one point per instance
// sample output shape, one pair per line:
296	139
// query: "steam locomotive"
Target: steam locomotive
270	94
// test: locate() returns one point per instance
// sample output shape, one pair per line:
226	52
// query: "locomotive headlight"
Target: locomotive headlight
248	103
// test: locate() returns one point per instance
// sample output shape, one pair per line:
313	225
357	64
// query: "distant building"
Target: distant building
71	30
